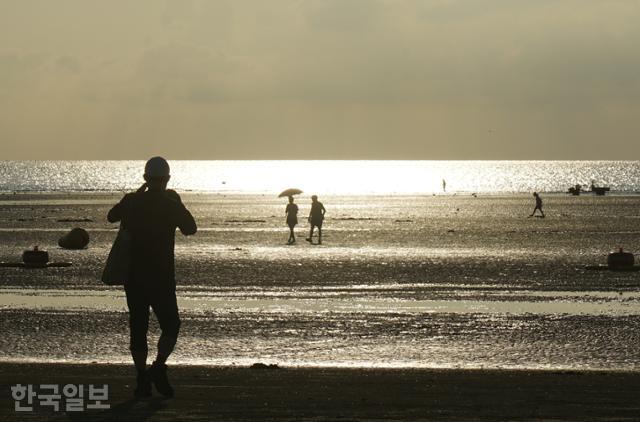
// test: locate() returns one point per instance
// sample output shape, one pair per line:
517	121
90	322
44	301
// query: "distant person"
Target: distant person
316	217
151	216
292	219
444	185
538	205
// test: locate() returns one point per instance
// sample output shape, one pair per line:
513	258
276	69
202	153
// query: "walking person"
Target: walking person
538	205
316	217
292	219
151	216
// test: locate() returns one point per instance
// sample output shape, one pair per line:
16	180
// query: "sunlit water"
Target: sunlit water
326	177
402	280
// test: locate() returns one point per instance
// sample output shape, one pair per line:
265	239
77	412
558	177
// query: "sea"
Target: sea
422	264
326	177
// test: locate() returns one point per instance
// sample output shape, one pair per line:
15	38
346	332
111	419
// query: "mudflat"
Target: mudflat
241	393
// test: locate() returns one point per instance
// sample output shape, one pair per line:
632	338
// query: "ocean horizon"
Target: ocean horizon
327	177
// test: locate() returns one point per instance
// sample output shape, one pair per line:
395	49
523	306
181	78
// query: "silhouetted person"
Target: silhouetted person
538	205
292	219
316	217
444	185
151	216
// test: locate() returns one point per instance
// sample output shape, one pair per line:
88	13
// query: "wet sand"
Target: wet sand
232	393
401	286
400	281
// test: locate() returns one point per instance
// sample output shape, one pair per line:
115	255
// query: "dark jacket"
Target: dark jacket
152	217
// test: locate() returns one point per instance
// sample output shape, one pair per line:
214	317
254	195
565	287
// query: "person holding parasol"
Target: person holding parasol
291	212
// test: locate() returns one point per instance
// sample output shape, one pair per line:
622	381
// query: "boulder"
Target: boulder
77	238
620	260
260	366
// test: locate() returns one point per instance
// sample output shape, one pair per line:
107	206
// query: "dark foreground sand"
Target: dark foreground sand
219	393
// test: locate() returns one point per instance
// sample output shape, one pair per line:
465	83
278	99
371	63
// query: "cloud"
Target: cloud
69	64
19	70
427	78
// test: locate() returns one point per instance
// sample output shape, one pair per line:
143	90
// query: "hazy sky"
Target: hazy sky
318	79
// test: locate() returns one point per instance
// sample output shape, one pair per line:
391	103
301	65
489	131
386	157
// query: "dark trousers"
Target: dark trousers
164	305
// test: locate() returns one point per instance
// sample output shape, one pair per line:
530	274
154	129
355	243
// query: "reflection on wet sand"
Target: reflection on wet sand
469	282
343	300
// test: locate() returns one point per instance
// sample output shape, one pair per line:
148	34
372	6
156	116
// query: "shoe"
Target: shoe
143	386
158	375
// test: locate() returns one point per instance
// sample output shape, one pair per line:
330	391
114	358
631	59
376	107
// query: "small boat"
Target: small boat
575	190
599	190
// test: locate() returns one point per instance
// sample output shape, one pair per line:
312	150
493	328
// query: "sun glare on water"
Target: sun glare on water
326	177
322	177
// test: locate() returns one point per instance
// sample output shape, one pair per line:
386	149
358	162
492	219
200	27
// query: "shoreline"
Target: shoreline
208	392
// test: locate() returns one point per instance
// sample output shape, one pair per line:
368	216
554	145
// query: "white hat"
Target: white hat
156	167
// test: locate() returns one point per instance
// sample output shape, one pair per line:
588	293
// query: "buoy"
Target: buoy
35	258
620	260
